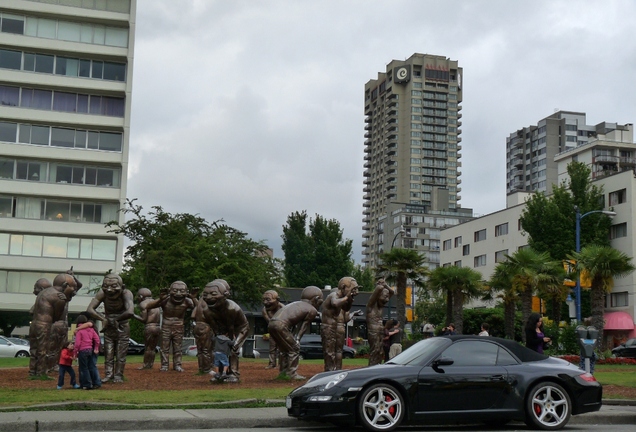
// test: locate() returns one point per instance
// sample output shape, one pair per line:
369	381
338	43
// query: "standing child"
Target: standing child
222	347
66	365
86	343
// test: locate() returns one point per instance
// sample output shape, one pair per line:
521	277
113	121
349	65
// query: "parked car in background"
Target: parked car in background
12	349
627	349
19	341
311	348
451	379
134	347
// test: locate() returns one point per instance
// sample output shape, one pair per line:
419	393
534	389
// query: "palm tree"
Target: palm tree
399	266
531	269
460	284
602	264
501	282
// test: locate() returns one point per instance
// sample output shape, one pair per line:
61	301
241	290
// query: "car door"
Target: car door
6	349
630	348
473	381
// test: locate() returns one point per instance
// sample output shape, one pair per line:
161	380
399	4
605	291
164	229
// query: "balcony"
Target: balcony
605	159
628	161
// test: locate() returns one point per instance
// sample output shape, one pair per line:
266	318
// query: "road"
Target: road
513	427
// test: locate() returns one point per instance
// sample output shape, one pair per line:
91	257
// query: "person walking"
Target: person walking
484	330
66	365
535	337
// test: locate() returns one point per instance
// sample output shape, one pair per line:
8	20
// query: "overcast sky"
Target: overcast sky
247	111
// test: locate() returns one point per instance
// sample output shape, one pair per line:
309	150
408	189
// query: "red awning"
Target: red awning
618	321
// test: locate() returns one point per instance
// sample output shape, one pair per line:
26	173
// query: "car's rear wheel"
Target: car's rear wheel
381	408
22	354
548	407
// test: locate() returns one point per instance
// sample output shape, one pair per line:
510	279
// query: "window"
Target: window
10	59
481	353
447	244
501	229
458	263
480	261
466	250
619	299
58	247
500	256
618	230
480	235
617	197
458	241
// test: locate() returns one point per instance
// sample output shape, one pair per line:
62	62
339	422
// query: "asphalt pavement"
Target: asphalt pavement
55	418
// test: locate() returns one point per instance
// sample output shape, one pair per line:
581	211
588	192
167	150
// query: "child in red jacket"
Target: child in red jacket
66	365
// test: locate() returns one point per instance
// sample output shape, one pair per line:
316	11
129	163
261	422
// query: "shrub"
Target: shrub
362	351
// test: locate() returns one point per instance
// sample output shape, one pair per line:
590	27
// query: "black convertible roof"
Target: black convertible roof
524	354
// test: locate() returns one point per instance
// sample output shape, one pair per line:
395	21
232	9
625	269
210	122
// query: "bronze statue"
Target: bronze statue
39	285
51	305
119	308
174	302
203	333
271	305
332	329
375	329
59	329
152	330
280	327
227	318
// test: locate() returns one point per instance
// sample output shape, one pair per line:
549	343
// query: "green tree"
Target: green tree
501	286
400	266
315	252
603	264
9	320
461	284
168	247
531	270
550	221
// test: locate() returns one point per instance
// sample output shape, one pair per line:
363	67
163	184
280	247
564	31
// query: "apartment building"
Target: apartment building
482	243
66	70
531	151
412	156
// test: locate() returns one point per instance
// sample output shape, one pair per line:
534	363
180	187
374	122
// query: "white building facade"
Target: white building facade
65	102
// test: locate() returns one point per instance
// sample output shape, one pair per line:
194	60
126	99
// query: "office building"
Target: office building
484	242
412	156
65	98
530	151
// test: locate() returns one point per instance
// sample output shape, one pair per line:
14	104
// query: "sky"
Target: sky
248	111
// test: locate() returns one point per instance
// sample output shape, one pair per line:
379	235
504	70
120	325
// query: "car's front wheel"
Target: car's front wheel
22	354
548	407
381	408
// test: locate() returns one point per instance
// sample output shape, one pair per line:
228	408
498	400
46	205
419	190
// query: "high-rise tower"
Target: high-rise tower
65	99
412	152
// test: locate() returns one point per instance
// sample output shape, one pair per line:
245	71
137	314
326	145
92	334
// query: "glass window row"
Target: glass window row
60	137
122	6
64	30
66	66
22	282
53	172
57	247
57	210
53	100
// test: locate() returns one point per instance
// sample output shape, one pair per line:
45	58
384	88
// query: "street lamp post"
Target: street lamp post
577	289
399	233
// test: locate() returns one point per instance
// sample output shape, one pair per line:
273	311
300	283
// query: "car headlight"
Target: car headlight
326	382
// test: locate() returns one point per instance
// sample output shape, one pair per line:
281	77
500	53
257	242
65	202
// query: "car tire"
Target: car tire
381	408
548	407
22	354
347	355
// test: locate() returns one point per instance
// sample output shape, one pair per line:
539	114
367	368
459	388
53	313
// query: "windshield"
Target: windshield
421	351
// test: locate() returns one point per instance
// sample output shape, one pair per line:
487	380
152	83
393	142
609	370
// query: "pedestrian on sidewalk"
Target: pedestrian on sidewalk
66	365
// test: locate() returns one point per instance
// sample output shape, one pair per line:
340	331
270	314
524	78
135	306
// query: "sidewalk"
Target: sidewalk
612	412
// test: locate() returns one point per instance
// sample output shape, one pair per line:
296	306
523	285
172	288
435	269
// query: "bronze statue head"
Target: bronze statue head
40	285
178	292
143	294
313	295
348	285
113	286
270	299
216	293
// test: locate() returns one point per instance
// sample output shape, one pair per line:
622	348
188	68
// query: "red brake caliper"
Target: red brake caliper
537	409
392	410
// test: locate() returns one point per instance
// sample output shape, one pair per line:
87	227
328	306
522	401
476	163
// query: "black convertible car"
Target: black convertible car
451	379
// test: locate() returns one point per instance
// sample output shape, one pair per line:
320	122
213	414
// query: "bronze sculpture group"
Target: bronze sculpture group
213	313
